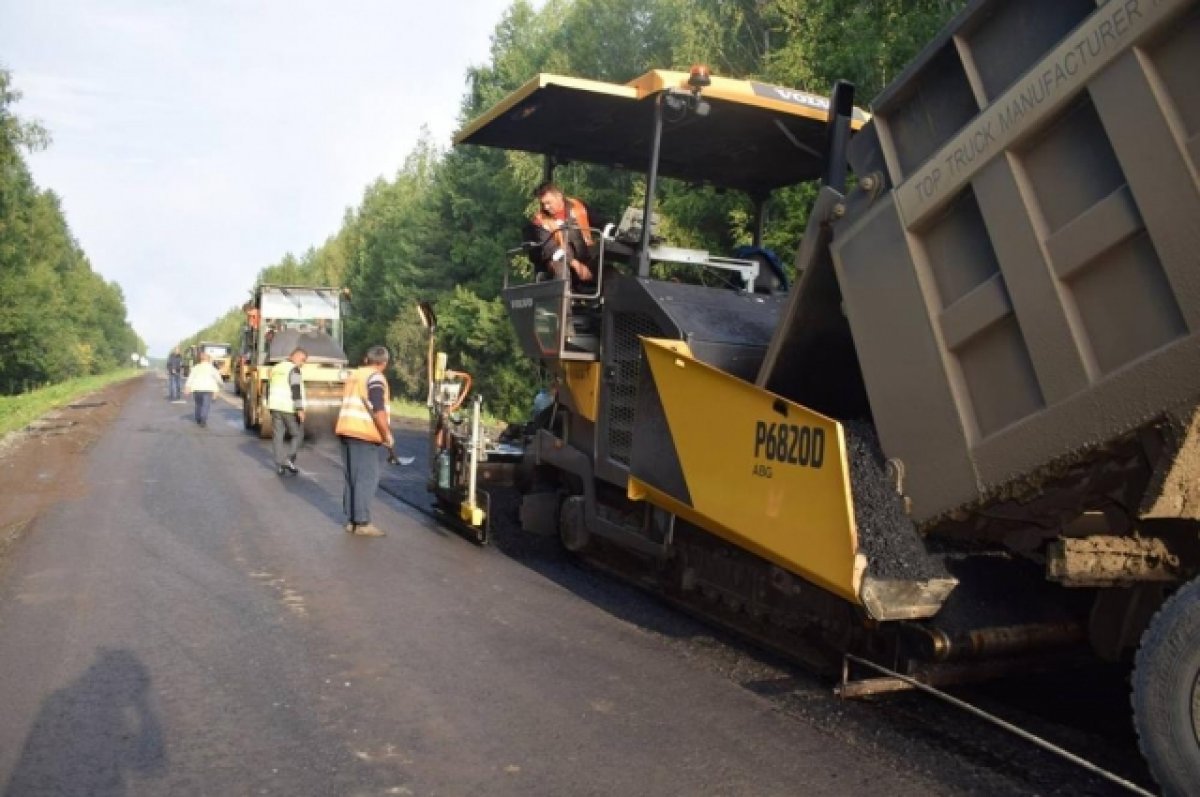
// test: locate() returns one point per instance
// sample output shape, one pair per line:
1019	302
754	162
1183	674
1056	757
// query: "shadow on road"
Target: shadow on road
540	554
90	735
544	555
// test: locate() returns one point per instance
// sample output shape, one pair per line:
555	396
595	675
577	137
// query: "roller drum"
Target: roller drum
322	402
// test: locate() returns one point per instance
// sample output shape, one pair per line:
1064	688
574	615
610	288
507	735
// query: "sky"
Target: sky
195	142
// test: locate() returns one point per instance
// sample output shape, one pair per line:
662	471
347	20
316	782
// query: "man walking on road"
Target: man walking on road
203	383
363	424
285	400
174	376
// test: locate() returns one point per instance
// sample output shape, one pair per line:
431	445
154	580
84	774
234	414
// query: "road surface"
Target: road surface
175	618
190	623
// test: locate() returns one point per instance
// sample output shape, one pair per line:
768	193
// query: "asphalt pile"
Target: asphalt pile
886	534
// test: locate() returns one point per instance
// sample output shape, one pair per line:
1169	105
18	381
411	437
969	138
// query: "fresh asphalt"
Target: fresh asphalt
191	623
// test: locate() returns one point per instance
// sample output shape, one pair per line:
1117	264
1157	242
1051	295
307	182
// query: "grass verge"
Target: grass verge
416	410
17	411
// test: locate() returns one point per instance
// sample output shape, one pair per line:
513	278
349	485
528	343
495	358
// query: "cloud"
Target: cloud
197	143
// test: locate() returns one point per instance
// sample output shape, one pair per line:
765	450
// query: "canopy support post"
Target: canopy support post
760	219
651	188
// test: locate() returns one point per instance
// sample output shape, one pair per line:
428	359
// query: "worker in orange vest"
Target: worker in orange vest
563	232
363	425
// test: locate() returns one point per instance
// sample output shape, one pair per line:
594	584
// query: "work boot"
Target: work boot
368	530
291	466
349	528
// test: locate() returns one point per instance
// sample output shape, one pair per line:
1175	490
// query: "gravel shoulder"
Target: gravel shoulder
43	462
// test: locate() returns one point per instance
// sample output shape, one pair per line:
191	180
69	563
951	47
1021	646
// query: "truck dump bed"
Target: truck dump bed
1020	265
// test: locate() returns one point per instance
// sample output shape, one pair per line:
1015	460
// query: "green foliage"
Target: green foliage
15	133
407	341
226	329
478	332
17	411
866	42
732	38
58	318
439	228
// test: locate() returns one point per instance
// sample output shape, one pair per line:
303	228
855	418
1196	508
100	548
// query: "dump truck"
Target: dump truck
965	441
280	319
219	354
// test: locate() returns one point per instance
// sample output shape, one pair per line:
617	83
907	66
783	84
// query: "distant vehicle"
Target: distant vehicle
279	319
220	354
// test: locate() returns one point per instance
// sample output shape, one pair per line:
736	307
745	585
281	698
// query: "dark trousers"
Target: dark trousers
283	424
360	461
174	386
203	400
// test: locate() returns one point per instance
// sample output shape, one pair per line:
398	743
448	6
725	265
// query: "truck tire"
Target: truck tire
1166	692
265	427
572	525
247	413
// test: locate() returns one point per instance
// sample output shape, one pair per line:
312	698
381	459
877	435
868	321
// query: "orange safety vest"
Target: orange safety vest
355	417
575	210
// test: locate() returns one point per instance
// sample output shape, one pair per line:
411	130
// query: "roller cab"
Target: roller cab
280	319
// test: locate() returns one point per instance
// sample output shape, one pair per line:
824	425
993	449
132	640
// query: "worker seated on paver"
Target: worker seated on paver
566	248
563	234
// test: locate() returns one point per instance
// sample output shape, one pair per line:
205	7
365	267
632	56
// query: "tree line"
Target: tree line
58	318
439	228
